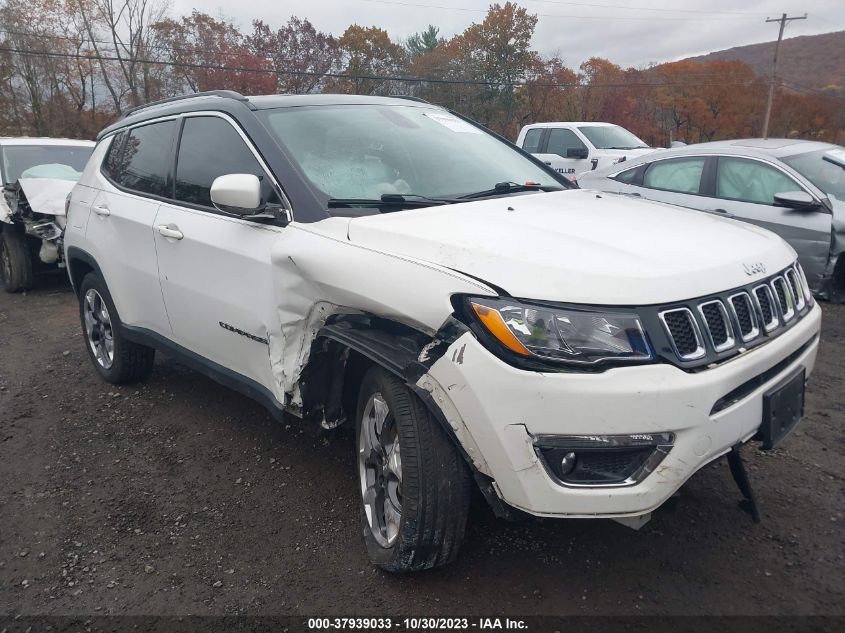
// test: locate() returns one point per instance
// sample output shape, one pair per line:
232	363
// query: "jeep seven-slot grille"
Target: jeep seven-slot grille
711	328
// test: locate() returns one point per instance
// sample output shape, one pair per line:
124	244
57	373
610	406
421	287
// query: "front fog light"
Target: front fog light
567	464
602	460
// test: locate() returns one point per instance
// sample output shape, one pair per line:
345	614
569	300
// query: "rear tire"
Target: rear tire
117	359
15	262
415	500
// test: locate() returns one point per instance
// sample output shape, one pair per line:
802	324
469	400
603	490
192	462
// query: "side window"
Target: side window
627	176
751	181
113	163
531	142
681	174
562	140
210	147
142	163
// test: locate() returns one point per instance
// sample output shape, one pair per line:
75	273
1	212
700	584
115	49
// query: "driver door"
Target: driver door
745	188
215	269
565	153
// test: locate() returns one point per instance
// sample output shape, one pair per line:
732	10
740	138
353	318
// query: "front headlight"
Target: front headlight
563	335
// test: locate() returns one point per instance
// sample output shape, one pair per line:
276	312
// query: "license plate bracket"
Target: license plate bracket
783	406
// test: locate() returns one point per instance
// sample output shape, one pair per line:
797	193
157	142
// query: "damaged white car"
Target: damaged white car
391	265
37	175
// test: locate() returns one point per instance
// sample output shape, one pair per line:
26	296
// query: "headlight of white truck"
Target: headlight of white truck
568	335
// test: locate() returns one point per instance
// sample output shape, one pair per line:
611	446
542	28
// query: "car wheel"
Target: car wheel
414	483
15	263
115	358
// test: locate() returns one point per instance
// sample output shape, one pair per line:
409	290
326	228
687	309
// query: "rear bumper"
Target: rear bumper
497	410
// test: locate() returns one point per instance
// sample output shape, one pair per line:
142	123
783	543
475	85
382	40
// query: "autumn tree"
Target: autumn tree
368	53
211	54
495	52
301	55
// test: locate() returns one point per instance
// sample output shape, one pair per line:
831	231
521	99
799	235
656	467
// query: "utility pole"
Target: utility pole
783	19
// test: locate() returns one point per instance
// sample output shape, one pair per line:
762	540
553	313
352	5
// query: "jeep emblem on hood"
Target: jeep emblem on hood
754	268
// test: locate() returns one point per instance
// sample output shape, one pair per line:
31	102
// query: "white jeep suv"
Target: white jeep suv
386	263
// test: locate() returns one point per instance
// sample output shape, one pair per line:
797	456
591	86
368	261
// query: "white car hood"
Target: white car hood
580	246
46	195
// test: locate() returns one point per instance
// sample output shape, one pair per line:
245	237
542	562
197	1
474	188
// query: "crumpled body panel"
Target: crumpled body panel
320	273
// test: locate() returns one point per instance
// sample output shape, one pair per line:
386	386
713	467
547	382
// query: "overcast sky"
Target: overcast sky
628	32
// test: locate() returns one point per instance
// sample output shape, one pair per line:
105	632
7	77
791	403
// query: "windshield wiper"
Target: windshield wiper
503	188
390	200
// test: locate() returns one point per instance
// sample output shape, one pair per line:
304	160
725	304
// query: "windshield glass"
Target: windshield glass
824	168
44	161
366	151
611	137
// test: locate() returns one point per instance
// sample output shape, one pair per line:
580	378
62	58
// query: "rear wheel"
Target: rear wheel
414	484
115	358
15	262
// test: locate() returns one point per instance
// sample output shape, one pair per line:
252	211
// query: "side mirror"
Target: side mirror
237	193
799	200
577	152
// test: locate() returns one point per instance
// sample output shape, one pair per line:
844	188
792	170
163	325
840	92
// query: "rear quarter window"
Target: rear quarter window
139	159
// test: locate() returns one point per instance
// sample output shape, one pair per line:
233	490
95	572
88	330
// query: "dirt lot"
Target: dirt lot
178	496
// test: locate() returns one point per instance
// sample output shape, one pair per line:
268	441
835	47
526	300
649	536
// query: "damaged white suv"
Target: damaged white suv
386	263
37	175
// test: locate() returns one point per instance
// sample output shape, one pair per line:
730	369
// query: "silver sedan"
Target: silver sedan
791	187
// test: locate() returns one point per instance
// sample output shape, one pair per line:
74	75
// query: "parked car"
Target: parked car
794	188
385	263
572	148
37	175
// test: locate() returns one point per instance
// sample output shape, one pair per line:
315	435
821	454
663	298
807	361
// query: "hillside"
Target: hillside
808	61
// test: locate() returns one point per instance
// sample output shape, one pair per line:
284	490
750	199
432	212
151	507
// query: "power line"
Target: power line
172	49
396	78
642	8
558	15
270	55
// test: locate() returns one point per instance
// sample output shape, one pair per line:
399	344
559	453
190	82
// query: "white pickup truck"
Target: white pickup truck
572	148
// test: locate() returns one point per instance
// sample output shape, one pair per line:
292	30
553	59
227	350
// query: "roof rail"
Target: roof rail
412	98
223	94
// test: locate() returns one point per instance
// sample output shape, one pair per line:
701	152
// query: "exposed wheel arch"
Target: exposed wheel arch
347	347
79	264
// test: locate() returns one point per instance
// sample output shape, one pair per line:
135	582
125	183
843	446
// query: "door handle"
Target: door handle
104	211
170	230
548	162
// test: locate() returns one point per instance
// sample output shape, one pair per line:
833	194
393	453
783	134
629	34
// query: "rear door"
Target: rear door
134	179
215	268
746	188
559	147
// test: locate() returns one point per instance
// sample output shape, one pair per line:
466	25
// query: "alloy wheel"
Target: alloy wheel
380	470
98	328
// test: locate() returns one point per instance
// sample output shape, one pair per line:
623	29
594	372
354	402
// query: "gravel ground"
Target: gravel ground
178	496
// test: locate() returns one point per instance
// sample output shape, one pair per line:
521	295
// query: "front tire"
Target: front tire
115	358
15	262
414	483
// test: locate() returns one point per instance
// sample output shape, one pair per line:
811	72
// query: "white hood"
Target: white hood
580	246
46	195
